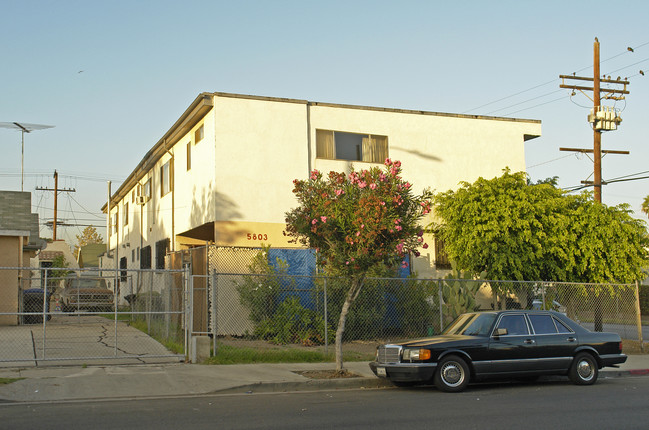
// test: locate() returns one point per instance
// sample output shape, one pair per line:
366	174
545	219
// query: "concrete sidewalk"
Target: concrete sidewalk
54	384
68	340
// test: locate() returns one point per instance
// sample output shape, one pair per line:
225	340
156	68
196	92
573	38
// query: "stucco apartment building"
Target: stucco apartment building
223	173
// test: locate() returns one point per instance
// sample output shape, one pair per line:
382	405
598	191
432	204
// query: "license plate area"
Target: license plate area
380	371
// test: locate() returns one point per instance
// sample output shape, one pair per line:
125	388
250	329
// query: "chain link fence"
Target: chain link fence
283	309
251	297
58	314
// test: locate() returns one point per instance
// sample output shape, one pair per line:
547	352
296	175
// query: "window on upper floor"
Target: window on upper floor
189	155
166	178
114	223
340	145
125	214
147	189
199	134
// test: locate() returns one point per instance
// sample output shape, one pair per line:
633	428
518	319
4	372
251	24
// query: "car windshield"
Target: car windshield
86	283
472	324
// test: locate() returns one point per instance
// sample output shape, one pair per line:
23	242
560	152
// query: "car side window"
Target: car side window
561	327
543	324
515	325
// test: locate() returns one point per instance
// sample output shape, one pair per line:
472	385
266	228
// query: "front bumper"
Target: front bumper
404	372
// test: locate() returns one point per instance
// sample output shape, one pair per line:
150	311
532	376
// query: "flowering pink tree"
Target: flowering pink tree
356	223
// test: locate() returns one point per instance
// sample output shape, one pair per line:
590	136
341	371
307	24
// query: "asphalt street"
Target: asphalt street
551	403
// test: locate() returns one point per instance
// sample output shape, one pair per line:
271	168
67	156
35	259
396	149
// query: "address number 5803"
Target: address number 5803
257	236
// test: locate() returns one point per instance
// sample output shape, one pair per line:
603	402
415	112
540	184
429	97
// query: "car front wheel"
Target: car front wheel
584	370
452	374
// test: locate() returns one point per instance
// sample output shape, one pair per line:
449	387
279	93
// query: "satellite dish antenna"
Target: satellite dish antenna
24	128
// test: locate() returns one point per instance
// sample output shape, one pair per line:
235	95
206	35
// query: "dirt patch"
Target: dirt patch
634	347
326	374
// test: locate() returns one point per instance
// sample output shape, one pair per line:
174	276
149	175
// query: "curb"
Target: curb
624	373
310	385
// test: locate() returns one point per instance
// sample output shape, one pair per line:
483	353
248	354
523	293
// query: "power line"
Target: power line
552	81
78	177
532	107
525	101
513	95
551	161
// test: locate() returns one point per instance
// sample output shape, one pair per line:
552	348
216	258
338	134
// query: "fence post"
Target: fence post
326	323
440	299
187	307
44	315
214	312
638	315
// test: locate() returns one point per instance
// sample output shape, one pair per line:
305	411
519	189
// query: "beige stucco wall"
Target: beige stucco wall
253	148
10	256
435	151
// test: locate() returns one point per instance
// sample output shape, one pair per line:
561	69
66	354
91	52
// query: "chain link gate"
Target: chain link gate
81	316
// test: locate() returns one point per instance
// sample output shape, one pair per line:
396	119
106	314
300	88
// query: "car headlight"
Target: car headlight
416	354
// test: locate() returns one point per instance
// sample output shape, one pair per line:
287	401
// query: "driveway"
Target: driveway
78	340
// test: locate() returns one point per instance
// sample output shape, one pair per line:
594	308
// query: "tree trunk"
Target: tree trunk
354	289
599	313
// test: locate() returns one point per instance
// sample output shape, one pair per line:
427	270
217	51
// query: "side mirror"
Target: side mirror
500	332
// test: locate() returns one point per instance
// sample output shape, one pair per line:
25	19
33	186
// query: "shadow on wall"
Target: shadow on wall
419	154
209	207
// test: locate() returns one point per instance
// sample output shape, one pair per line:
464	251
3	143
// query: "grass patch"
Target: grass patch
4	381
228	354
151	330
170	344
120	317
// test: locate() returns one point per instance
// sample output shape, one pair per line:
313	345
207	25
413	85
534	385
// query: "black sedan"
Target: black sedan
503	344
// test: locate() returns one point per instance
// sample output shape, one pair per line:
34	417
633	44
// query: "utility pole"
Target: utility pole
56	194
602	119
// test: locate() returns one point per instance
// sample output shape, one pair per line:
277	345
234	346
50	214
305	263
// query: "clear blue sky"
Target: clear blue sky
113	76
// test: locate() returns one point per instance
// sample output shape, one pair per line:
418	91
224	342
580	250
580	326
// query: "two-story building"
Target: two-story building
223	173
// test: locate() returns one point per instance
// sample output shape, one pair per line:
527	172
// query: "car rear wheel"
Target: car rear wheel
584	370
452	374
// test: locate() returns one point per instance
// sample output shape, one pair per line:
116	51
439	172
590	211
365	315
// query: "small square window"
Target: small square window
199	134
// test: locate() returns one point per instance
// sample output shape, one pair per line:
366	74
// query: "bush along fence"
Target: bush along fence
284	309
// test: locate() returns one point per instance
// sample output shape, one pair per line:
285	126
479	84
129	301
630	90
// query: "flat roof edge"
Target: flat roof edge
373	108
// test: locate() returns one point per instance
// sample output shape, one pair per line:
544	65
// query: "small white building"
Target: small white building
223	173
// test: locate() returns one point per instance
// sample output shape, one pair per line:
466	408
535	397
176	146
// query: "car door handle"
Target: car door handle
528	341
571	339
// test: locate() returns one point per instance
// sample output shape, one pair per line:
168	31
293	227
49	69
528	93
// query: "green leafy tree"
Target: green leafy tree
609	245
506	228
512	230
645	206
88	235
57	271
357	223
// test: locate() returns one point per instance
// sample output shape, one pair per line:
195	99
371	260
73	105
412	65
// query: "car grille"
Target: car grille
84	298
389	354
